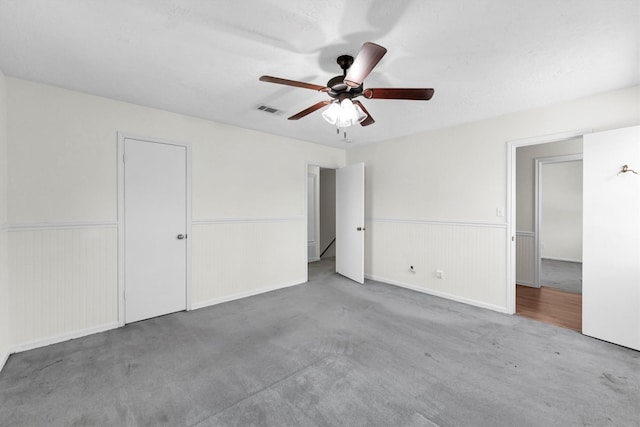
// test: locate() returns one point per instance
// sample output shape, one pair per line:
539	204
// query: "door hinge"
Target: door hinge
123	157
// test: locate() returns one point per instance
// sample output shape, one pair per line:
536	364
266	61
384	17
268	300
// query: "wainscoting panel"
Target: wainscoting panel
63	283
234	259
525	258
461	261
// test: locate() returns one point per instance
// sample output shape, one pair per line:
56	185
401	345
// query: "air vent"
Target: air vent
268	109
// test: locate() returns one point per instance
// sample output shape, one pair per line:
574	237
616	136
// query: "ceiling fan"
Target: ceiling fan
344	111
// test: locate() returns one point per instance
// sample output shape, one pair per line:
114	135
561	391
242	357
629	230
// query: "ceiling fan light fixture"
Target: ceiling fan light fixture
342	111
331	114
344	114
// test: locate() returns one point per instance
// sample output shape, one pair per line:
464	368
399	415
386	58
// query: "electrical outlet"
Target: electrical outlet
499	212
440	274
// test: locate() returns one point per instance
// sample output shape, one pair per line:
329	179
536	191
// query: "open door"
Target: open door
611	241
350	222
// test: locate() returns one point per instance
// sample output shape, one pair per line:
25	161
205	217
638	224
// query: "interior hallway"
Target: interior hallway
550	305
558	301
562	275
329	352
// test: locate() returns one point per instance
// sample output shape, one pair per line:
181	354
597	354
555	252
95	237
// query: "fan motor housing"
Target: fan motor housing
337	87
345	61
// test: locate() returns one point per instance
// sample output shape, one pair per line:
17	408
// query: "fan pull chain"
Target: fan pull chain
344	135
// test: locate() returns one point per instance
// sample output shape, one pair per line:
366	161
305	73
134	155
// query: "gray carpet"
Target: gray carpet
327	353
563	275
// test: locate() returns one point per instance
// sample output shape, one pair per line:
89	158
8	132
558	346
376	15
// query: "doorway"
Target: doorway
321	219
345	187
558	219
154	227
538	227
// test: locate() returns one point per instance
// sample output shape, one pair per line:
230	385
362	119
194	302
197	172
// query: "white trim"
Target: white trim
441	222
122	135
537	210
525	283
43	226
30	345
121	255
445	295
3	360
207	221
220	300
525	233
554	137
120	208
188	221
511	202
578	261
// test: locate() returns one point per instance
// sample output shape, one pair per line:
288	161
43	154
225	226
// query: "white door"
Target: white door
350	222
155	214
611	237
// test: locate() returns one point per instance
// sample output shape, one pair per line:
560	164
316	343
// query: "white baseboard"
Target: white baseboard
525	283
445	295
214	301
3	360
314	259
579	261
30	345
531	285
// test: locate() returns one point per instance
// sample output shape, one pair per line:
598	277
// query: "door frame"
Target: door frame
306	204
511	203
121	236
537	224
316	214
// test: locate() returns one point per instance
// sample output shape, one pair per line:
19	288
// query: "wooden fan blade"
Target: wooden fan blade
368	57
397	93
310	110
278	80
369	120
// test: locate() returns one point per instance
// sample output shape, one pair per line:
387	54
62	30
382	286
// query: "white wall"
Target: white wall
431	202
525	176
327	211
431	198
248	189
4	277
561	216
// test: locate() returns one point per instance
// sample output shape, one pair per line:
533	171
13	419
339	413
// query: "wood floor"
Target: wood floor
550	305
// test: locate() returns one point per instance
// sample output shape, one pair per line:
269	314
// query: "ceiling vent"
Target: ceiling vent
268	109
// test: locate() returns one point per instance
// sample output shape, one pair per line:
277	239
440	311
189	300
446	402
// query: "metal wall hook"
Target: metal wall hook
626	169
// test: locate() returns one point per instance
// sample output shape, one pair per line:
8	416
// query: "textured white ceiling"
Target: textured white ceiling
203	58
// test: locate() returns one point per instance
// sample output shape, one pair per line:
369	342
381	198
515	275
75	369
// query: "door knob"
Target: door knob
180	236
